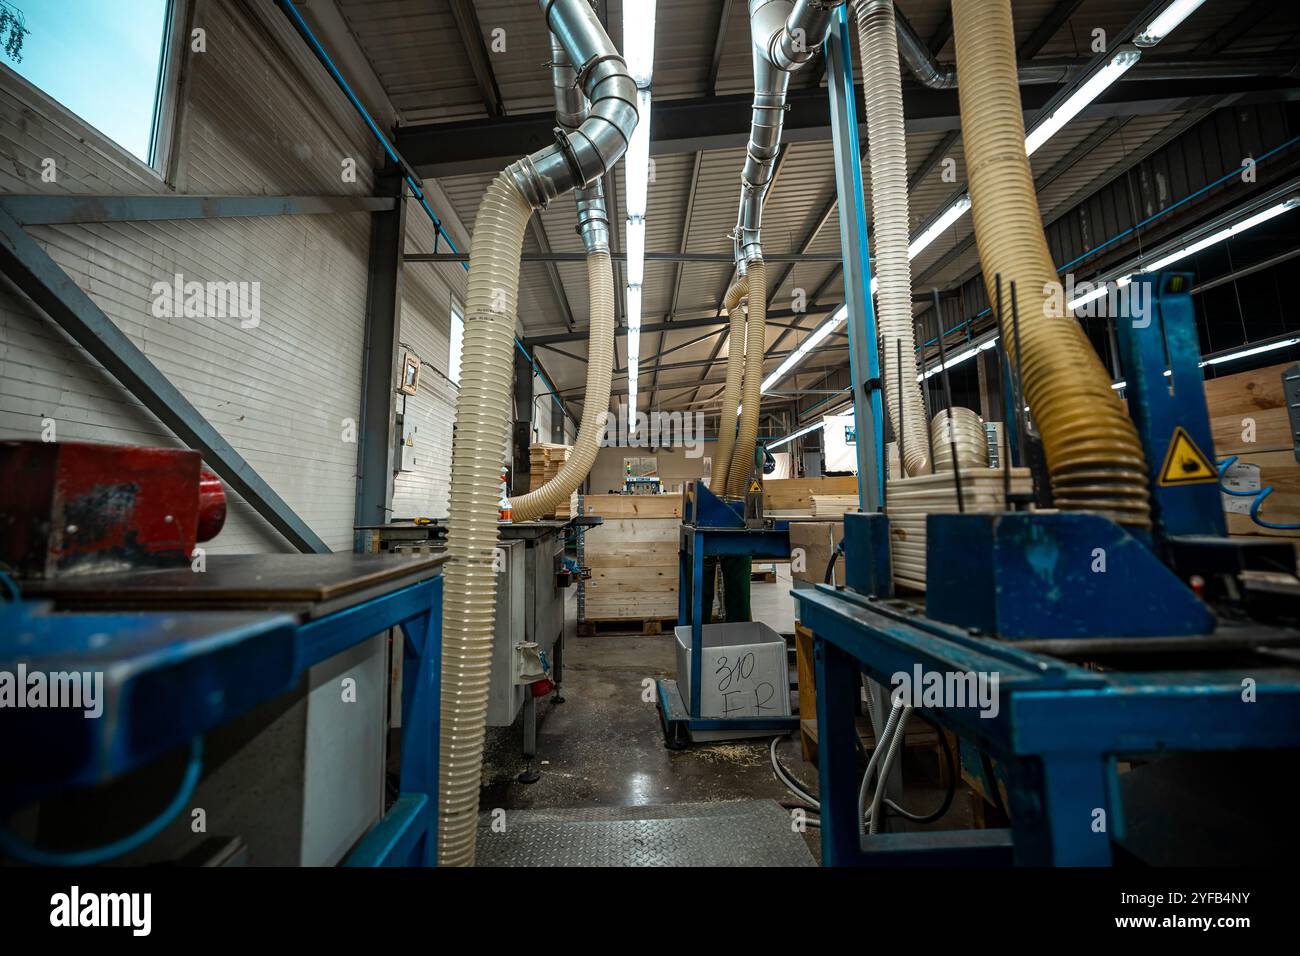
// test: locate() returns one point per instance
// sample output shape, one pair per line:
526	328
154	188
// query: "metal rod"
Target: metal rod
898	349
1004	376
701	257
947	394
925	407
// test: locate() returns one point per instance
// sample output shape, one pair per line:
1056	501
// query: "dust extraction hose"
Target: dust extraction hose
482	430
882	86
1093	454
742	459
600	368
731	304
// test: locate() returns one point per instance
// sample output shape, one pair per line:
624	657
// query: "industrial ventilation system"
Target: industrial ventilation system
577	160
784	36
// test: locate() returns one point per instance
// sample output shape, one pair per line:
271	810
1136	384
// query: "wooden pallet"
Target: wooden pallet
647	626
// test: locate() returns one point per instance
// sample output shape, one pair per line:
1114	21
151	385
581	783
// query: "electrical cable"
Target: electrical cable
24	851
830	567
1258	501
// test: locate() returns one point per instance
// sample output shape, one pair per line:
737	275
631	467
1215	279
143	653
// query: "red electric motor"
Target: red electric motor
79	507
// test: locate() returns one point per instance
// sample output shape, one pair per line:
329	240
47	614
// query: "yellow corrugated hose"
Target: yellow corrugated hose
742	459
731	304
1092	449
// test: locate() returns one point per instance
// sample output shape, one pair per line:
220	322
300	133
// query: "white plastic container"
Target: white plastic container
743	672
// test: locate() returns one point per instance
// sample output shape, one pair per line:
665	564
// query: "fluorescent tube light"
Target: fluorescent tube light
936	228
1166	21
793	435
818	336
639	40
1117	66
636	252
1215	238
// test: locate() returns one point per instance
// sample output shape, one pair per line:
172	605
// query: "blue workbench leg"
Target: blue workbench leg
697	622
837	761
1064	815
421	700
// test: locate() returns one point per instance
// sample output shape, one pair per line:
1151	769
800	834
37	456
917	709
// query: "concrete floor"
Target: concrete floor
603	747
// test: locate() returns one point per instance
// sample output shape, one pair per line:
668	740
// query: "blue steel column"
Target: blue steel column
864	363
374	494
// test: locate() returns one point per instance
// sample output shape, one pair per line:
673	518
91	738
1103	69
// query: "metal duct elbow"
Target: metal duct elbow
571	111
783	37
580	157
919	60
802	34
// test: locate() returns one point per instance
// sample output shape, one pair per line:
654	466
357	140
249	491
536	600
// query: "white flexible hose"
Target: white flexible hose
882	87
600	368
882	745
482	428
895	745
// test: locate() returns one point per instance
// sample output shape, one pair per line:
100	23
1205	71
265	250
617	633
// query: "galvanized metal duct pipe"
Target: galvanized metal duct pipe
783	37
483	406
593	225
882	87
731	304
1093	454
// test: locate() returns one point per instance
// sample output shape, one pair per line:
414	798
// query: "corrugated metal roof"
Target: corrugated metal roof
422	62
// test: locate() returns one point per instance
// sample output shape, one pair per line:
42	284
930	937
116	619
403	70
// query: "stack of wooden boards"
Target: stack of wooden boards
633	560
909	500
1249	419
544	462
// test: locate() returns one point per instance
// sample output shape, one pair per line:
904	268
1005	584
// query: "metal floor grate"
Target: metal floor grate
737	833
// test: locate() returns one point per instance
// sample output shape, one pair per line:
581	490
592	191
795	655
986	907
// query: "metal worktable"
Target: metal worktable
314	607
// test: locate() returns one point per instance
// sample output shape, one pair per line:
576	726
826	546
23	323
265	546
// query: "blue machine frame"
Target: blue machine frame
179	674
712	527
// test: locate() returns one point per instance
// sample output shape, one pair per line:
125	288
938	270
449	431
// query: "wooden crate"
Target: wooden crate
810	550
1253	405
794	495
1255	395
633	558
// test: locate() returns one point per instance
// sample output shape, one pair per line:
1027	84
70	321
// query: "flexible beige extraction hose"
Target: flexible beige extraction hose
966	431
1092	449
600	368
731	304
742	459
882	87
482	429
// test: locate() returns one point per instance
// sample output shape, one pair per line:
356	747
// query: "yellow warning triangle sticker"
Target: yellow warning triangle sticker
1185	464
755	486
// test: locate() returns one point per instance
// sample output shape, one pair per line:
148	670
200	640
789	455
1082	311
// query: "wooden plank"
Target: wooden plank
803	649
784	494
634	506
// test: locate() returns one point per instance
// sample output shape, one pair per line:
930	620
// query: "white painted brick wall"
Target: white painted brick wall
251	124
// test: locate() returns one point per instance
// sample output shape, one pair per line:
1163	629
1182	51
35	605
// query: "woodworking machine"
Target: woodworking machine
1163	651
